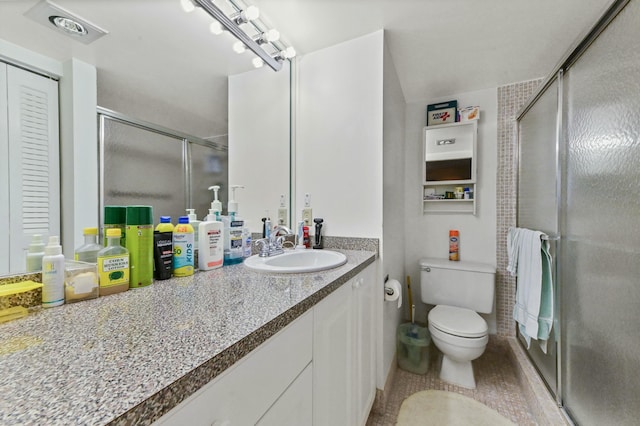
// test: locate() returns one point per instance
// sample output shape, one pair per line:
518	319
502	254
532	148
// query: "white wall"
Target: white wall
339	136
427	235
259	142
78	153
393	241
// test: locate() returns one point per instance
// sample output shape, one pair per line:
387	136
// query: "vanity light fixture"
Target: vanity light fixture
251	13
264	42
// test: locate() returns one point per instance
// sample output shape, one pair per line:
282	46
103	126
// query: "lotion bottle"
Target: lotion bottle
211	243
183	248
53	274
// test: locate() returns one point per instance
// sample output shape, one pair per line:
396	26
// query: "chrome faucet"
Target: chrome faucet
273	245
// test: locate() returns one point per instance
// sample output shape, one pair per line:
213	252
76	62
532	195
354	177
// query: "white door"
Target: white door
34	166
4	173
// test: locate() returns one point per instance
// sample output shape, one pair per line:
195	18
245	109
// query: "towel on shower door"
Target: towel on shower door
530	261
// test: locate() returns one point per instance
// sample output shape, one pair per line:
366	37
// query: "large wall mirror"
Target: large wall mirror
160	65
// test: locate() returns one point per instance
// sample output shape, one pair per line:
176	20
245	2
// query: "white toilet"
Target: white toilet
459	290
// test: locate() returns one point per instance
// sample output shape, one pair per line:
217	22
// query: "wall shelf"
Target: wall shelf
449	162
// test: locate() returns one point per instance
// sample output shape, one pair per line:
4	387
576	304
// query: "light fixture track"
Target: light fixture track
237	32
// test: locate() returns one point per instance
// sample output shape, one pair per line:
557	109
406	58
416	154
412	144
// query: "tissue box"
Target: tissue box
442	113
469	113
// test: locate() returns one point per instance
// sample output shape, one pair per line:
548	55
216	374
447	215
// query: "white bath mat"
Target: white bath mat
434	407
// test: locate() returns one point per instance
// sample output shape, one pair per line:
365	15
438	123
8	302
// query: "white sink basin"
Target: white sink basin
297	261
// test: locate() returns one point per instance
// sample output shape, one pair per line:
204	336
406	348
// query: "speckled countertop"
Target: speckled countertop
128	358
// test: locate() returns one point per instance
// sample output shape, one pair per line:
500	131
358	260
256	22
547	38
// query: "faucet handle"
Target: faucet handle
263	246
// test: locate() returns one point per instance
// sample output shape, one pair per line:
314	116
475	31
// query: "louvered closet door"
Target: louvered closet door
34	166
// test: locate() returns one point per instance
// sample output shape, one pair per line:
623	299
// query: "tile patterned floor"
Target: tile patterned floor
496	381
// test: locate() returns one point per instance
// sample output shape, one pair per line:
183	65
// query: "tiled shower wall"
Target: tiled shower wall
510	100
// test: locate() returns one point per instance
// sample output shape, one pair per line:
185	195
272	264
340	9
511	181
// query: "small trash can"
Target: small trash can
413	347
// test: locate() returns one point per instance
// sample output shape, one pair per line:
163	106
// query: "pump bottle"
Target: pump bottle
211	242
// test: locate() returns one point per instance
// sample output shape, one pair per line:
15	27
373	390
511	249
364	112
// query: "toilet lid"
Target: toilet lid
458	321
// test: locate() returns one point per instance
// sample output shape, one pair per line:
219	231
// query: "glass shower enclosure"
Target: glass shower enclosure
580	171
146	164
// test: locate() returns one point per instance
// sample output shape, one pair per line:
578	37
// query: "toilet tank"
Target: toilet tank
456	283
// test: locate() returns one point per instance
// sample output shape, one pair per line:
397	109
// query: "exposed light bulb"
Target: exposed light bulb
271	35
238	47
251	13
257	62
187	5
289	52
216	28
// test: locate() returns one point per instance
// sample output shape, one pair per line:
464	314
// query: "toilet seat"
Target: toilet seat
458	321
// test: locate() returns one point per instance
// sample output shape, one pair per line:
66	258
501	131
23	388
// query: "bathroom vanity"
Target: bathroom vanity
228	345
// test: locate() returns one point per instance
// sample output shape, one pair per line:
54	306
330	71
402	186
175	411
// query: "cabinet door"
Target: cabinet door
332	359
34	195
364	385
294	407
245	392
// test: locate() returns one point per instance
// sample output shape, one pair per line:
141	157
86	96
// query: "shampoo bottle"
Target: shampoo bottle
35	253
211	243
163	249
183	248
53	274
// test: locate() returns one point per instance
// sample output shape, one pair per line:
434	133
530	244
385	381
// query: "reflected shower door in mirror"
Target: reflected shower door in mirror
145	164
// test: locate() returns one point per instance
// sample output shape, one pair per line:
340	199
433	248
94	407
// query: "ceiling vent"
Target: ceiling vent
58	19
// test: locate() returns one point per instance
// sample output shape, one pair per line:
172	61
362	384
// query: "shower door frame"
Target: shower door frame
572	55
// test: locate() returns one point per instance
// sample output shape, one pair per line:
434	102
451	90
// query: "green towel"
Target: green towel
545	317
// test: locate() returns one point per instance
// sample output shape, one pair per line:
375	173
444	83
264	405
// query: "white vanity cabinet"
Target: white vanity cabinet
253	387
319	370
344	353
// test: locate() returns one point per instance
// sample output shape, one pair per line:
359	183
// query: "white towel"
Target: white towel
525	259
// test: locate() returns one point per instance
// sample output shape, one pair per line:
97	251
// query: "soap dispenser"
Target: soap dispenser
216	205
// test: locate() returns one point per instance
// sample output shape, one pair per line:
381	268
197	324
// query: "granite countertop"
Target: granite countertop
131	357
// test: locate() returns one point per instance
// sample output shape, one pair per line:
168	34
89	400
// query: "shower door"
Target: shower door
143	163
601	239
538	195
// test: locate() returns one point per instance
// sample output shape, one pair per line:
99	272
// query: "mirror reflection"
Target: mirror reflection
156	65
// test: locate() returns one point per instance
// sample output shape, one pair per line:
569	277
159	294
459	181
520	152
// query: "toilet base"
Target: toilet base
457	373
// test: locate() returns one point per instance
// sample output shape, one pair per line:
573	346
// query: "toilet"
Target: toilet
460	290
